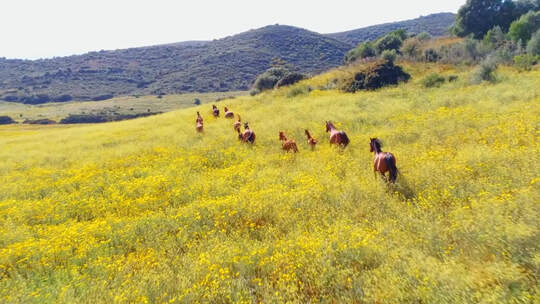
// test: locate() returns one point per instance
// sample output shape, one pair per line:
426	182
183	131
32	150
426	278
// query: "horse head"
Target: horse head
282	136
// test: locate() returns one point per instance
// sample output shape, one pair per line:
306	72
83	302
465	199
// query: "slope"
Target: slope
435	24
149	211
227	64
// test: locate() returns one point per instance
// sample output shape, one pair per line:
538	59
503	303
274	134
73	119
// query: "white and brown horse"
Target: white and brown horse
248	136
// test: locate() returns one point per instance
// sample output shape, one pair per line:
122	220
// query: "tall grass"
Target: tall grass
150	211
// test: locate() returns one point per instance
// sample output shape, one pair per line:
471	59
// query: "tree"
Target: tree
477	17
388	42
523	28
363	50
533	47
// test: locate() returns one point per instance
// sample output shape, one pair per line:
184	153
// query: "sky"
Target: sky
32	29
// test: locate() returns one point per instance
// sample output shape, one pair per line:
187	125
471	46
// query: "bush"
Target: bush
299	90
424	36
375	75
430	55
525	62
269	78
389	55
485	71
388	42
412	48
433	80
254	92
290	79
196	101
533	47
452	78
6	120
363	50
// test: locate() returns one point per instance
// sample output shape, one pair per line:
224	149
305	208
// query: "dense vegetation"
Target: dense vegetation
477	17
147	210
227	64
434	24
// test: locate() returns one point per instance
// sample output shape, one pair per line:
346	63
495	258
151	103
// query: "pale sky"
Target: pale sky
32	29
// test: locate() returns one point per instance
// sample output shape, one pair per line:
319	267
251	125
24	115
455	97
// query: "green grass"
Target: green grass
122	105
147	210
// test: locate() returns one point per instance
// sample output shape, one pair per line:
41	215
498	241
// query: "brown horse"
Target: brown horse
312	142
199	123
215	111
237	124
228	114
384	161
336	136
249	135
287	144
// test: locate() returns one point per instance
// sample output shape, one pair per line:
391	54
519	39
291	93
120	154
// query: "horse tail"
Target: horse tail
391	164
251	137
345	139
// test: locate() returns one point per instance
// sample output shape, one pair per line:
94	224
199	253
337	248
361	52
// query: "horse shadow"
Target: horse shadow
402	188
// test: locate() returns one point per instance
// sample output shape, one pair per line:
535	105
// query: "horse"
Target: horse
287	144
336	136
215	111
384	161
228	114
249	135
310	140
199	123
237	124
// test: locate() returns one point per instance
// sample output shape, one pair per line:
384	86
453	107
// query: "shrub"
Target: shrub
412	48
389	55
290	79
299	90
388	42
452	78
424	36
254	92
533	47
485	71
433	80
375	75
494	37
525	62
430	55
6	120
269	78
196	101
363	50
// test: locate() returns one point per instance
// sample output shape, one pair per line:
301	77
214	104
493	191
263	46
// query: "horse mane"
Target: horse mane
377	142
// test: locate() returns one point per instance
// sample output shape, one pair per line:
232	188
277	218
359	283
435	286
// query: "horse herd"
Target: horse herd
384	161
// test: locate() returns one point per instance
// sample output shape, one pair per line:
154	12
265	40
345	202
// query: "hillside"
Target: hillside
148	210
435	24
228	64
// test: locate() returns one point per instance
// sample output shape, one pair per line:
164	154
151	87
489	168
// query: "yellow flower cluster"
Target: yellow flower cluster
149	211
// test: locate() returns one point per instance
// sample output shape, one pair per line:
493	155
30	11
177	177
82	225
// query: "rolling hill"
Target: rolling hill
149	211
228	64
435	24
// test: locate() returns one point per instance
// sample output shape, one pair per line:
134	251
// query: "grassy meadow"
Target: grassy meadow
149	211
120	105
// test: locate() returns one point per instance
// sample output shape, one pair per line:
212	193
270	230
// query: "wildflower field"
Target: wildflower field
149	211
